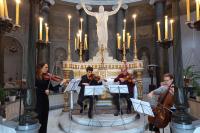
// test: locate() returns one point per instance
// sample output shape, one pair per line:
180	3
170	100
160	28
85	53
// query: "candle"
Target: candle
158	31
6	9
75	43
171	25
123	36
134	20
80	35
47	32
118	41
78	40
188	9
17	12
166	27
40	28
85	42
124	24
129	40
197	9
1	8
69	17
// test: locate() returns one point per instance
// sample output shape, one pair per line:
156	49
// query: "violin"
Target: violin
95	77
49	76
129	78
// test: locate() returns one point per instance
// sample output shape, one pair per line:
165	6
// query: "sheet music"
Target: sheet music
118	88
142	107
94	90
72	86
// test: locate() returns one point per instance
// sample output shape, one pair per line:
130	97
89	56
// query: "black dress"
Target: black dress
42	104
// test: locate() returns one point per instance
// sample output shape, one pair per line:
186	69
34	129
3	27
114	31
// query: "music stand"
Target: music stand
142	107
93	91
120	89
71	87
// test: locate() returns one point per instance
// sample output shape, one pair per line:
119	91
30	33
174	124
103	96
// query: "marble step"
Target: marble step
130	125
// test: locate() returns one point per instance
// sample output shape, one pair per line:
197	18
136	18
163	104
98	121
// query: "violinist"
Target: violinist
86	80
124	78
43	85
167	85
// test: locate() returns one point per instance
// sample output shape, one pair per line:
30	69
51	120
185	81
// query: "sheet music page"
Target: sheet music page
118	88
137	105
93	90
73	84
147	108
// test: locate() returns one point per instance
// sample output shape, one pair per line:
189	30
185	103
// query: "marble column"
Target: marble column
43	53
119	27
180	118
160	53
1	60
28	118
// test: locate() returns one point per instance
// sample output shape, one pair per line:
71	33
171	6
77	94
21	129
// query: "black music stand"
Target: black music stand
119	89
94	91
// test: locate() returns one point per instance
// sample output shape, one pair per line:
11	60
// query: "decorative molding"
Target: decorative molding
101	2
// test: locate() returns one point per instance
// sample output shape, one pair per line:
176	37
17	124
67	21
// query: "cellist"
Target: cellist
167	85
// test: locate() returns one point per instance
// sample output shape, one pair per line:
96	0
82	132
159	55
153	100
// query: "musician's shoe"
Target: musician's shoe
128	111
81	110
118	113
137	116
90	114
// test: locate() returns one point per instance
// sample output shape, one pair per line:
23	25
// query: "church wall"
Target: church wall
20	35
190	45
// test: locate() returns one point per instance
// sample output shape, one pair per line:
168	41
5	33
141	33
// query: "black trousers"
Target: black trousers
126	96
42	109
81	98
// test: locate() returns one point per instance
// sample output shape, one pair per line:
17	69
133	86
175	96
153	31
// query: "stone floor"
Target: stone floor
57	116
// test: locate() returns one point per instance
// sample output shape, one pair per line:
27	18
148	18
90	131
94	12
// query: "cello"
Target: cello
162	111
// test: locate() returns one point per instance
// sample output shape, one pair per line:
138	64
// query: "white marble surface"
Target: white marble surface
56	116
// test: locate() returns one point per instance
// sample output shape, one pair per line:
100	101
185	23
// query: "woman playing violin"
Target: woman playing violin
43	85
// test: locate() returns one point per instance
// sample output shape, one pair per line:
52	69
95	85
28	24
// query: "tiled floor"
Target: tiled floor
54	118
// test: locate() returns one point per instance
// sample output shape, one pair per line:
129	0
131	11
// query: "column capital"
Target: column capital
79	7
124	6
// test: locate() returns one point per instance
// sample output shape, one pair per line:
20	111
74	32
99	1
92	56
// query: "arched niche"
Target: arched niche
13	58
144	54
59	56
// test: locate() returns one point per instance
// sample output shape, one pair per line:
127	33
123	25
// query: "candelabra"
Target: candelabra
166	42
193	24
81	46
123	46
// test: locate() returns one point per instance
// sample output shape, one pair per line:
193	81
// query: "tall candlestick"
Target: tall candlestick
6	9
1	8
166	27
75	43
69	18
40	28
78	40
47	32
134	38
17	12
197	9
171	25
158	31
128	40
188	9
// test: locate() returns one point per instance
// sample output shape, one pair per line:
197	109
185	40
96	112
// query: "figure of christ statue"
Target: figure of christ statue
102	19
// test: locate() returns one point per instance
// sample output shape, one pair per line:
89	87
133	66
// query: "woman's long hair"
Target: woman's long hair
38	70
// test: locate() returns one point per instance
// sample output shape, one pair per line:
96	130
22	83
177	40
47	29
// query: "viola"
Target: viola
49	76
95	77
